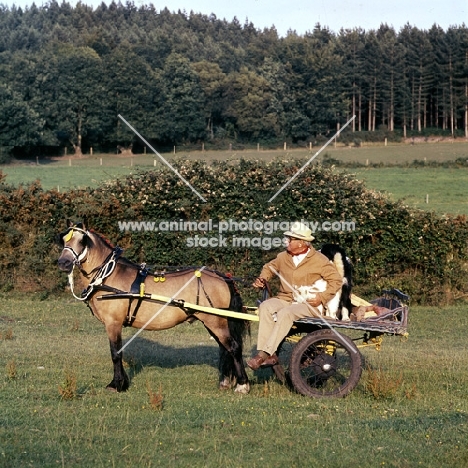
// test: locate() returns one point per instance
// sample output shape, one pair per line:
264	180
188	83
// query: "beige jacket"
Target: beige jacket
314	266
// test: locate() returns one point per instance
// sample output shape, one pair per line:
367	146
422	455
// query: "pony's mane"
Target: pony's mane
103	239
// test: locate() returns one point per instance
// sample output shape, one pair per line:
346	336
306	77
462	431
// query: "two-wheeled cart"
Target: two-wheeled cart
323	362
326	363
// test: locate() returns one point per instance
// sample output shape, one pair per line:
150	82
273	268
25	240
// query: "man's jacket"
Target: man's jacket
312	268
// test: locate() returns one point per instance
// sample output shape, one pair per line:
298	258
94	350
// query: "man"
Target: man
299	265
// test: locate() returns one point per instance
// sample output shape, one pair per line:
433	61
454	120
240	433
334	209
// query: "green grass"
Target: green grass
445	187
424	424
76	173
440	189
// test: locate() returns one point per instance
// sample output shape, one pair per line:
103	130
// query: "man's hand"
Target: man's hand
259	283
316	301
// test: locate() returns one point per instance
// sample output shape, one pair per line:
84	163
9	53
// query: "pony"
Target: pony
119	292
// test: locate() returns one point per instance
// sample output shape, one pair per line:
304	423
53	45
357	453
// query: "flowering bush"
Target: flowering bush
419	252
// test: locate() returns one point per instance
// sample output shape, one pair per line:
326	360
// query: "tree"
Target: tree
248	105
419	56
292	122
183	116
390	74
20	125
70	94
350	47
316	68
212	81
133	90
457	40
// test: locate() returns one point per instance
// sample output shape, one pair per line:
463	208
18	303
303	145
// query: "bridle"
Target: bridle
100	273
78	258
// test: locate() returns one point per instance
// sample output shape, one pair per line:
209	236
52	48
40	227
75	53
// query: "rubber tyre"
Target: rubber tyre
325	364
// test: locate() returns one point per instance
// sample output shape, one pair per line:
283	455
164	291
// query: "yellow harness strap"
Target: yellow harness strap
209	310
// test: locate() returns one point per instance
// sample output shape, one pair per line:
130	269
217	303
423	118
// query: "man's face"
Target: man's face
294	246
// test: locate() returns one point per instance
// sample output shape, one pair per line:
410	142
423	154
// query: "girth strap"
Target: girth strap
137	287
140	279
200	285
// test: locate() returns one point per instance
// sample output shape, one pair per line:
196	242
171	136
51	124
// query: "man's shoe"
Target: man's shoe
270	361
255	362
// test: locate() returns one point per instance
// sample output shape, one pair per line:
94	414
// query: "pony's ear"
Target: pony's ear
59	237
70	223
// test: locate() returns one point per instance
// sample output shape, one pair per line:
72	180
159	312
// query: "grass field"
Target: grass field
173	414
421	420
443	188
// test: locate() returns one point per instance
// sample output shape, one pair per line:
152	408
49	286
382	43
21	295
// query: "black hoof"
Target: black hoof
118	387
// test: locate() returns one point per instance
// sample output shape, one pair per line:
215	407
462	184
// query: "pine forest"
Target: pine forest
67	73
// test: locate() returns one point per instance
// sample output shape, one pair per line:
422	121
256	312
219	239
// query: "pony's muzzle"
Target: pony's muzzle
65	264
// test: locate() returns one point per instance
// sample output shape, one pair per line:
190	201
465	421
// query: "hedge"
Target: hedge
422	253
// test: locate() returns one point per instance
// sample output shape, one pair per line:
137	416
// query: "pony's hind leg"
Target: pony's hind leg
231	364
120	382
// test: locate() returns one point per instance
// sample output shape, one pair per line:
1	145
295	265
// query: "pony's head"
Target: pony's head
74	241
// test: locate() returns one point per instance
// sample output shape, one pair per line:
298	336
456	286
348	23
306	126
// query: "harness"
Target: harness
200	286
137	289
100	273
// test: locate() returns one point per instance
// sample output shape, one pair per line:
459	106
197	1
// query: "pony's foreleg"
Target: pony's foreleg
120	382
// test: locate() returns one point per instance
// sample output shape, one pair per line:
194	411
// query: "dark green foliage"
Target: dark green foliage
392	246
66	73
5	154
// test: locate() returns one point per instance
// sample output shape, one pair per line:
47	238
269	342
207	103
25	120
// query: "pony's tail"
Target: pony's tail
237	329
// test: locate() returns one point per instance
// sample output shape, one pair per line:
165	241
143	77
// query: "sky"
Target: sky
302	15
